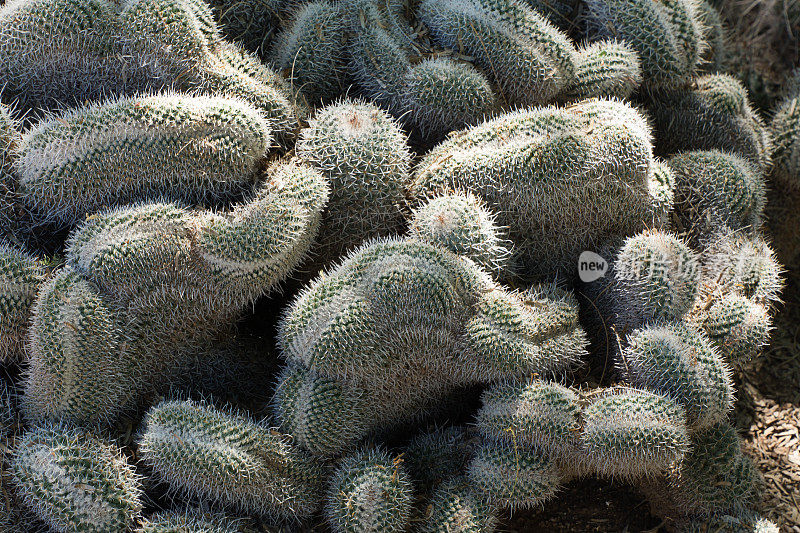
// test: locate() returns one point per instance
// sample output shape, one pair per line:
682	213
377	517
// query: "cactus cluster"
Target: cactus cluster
273	265
142	284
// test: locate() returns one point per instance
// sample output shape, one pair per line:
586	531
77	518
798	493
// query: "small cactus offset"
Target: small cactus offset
75	482
605	68
562	180
462	224
194	149
21	275
362	152
369	492
668	36
679	361
436	95
136	293
739	327
204	452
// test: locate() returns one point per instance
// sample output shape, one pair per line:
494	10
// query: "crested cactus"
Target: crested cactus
738	327
311	50
561	180
513	477
412	309
456	505
56	52
605	68
656	277
146	283
714	478
529	59
191	521
21	275
369	492
202	451
618	432
668	36
75	482
713	114
632	434
362	152
716	189
461	224
679	361
434	95
180	44
194	149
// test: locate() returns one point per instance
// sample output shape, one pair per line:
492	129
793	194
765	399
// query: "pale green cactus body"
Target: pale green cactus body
194	149
716	189
410	309
657	277
739	327
10	206
562	180
154	280
529	59
56	52
630	434
680	362
513	477
205	452
362	152
605	68
434	95
191	521
462	224
714	478
456	505
667	35
713	114
75	482
538	415
21	275
312	50
370	492
176	42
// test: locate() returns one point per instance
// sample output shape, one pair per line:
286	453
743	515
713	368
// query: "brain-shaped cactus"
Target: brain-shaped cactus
75	482
713	114
143	284
407	308
204	452
194	149
563	180
21	275
668	35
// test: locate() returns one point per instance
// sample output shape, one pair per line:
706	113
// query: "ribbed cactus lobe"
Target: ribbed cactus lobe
202	451
21	275
194	149
75	482
562	180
